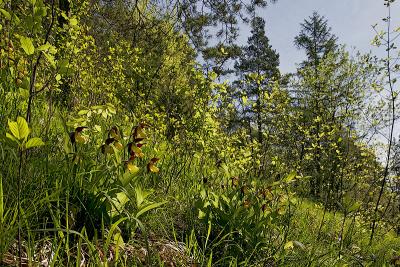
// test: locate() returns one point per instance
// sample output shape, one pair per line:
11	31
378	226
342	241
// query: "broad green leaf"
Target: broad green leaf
290	177
13	126
97	128
19	129
213	76
118	240
27	45
201	215
22	128
11	137
34	142
40	12
117	155
141	195
44	47
83	111
16	19
114	227
122	198
5	13
67	145
63	65
118	203
126	178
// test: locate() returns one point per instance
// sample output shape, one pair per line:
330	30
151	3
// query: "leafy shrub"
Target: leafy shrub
246	220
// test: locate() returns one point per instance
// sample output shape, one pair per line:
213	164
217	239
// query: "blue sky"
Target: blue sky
350	20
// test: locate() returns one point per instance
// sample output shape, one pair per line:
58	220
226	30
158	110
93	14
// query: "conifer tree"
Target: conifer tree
257	58
316	39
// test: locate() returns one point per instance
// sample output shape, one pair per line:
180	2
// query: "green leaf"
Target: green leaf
290	177
50	59
16	19
5	14
114	227
355	206
34	142
27	45
141	195
126	178
63	65
201	215
149	207
44	47
13	126
23	128
118	240
209	263
289	245
122	198
73	22
11	137
118	203
19	129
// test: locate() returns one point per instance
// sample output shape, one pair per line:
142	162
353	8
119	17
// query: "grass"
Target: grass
78	212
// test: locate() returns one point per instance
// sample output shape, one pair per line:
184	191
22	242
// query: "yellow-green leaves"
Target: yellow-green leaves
34	142
289	245
73	21
290	177
27	45
19	133
5	14
47	48
19	129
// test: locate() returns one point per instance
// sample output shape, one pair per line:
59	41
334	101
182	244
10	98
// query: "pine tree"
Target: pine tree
329	91
258	58
316	39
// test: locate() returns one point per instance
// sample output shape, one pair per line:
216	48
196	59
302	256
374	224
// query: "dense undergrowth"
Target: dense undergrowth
118	149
